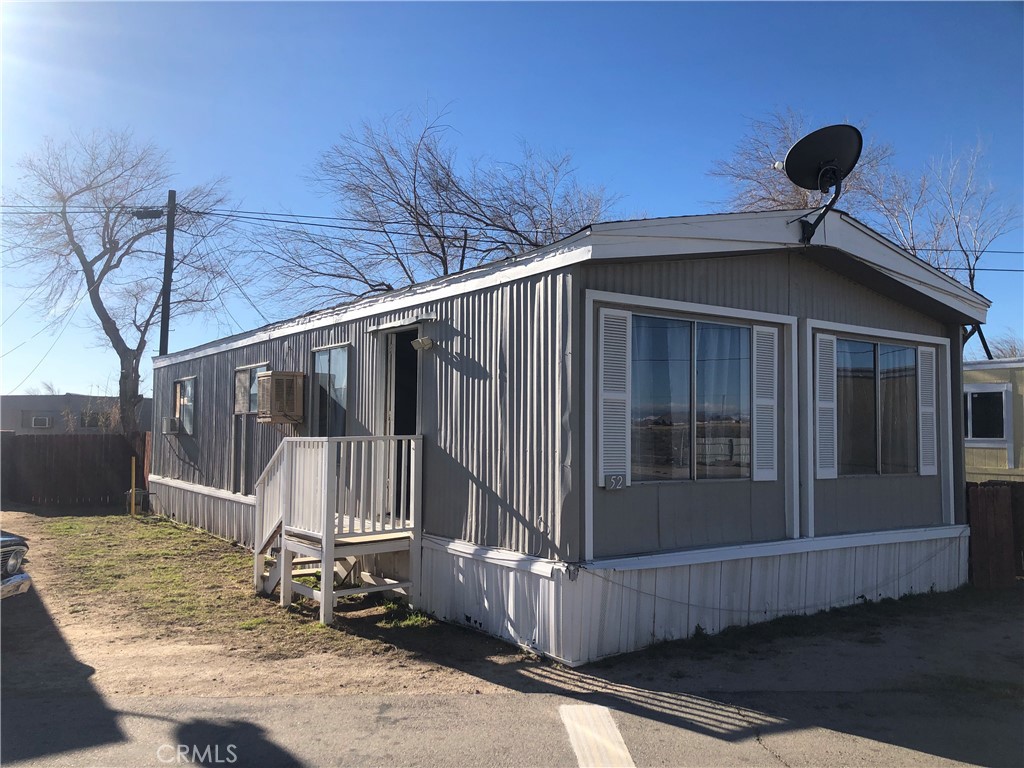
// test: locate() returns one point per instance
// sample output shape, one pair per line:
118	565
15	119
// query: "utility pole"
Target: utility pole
165	291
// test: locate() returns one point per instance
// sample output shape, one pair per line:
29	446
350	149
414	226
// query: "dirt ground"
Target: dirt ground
965	644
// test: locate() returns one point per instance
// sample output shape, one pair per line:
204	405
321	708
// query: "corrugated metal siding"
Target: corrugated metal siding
231	520
495	412
598	613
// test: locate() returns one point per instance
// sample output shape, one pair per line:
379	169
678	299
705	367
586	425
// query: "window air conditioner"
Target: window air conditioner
170	425
41	422
279	397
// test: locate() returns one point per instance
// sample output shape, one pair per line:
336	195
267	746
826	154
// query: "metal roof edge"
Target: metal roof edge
563	253
999	362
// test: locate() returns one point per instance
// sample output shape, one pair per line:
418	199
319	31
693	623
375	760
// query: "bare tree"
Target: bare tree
44	388
1008	345
972	217
408	212
757	186
71	227
946	214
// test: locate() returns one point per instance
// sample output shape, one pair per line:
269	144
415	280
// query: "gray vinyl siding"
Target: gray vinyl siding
652	517
670	515
876	503
494	409
780	283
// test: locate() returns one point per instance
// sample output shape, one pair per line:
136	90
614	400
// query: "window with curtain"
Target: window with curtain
856	407
877	410
661	398
690	400
897	396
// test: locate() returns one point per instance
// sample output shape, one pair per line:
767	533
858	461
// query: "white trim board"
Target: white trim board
504	557
205	490
776	548
1009	363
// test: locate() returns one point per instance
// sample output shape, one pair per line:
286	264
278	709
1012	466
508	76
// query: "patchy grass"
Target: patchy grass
398	615
175	579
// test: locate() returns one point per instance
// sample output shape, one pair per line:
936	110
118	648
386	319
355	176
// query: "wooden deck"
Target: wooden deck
338	503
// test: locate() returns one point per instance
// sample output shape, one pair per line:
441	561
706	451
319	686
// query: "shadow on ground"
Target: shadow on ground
936	674
47	703
50	512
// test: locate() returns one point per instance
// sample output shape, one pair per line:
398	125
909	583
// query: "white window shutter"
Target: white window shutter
764	438
615	344
928	453
825	407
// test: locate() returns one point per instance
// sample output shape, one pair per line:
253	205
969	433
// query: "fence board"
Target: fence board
991	521
70	470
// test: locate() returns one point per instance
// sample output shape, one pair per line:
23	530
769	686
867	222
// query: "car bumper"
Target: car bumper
15	585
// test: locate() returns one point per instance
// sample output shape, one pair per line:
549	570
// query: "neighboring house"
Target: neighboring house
644	428
994	419
63	414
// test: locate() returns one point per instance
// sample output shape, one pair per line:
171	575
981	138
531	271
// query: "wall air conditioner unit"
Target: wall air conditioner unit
170	425
41	422
279	397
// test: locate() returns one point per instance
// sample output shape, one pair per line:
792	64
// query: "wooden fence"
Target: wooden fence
71	470
997	533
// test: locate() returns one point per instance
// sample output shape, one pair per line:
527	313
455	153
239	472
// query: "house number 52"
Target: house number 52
614	482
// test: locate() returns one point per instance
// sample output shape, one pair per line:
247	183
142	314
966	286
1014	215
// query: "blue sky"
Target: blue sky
645	96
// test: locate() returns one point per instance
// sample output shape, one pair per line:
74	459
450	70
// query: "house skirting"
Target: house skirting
581	614
228	515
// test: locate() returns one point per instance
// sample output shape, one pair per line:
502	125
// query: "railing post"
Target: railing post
327	536
416	544
284	501
257	566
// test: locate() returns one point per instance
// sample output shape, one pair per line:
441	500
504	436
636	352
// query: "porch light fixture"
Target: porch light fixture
422	343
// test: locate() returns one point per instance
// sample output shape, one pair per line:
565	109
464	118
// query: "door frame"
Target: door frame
386	369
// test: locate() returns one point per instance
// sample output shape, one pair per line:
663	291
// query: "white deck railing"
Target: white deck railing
341	488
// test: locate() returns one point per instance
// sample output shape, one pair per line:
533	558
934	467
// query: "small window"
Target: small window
246	388
988	418
330	392
89	420
185	404
984	415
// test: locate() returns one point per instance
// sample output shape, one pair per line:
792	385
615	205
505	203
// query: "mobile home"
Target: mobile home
646	427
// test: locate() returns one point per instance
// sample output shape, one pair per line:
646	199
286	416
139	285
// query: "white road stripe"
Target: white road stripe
595	738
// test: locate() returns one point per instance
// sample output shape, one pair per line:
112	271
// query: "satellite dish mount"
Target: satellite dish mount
820	161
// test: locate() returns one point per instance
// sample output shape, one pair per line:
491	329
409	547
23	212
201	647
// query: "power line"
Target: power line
46	354
311	219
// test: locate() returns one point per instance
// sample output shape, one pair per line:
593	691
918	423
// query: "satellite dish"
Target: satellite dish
820	161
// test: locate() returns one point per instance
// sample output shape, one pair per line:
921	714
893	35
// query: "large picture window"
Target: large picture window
690	400
330	392
876	408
